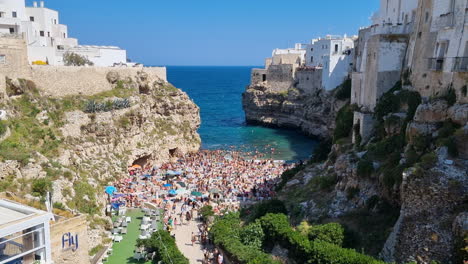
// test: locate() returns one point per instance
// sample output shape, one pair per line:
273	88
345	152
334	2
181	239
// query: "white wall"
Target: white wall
391	56
394	11
108	57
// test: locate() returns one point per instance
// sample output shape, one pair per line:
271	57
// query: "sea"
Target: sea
218	93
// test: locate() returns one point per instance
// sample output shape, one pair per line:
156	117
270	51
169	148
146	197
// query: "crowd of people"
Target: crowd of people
225	180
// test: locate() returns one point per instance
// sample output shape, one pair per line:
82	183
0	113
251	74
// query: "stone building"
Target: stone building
439	48
47	40
335	55
380	55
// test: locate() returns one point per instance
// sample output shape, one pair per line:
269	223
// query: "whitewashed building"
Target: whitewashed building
294	55
24	234
334	54
47	40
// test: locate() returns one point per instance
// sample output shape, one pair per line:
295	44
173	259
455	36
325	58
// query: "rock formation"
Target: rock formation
314	114
75	145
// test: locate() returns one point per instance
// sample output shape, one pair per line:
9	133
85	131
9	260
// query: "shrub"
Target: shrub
352	192
322	151
95	250
428	160
450	96
226	235
287	175
304	228
73	59
3	127
343	91
344	122
332	233
165	247
277	230
252	235
40	187
85	198
274	206
206	211
388	103
365	168
59	205
323	182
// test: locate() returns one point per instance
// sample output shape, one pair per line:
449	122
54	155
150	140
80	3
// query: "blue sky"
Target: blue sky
208	32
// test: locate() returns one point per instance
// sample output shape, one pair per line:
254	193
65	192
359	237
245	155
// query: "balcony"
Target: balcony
460	64
436	64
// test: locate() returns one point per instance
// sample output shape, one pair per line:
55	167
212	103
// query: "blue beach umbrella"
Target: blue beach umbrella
167	185
172	192
110	190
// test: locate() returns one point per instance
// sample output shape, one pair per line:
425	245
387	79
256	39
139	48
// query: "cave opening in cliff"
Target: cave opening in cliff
142	161
175	153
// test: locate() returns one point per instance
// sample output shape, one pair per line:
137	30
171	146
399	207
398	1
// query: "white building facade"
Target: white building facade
47	40
24	234
335	55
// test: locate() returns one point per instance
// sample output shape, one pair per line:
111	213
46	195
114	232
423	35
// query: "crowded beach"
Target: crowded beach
225	180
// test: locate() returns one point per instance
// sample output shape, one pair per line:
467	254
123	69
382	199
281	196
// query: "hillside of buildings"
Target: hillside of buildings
392	165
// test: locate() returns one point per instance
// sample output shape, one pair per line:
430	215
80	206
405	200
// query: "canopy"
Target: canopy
197	194
182	184
167	185
172	192
110	190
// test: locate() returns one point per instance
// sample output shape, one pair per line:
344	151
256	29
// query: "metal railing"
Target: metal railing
436	64
460	64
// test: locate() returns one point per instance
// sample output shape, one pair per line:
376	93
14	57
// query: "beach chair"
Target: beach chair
128	219
124	231
124	224
118	238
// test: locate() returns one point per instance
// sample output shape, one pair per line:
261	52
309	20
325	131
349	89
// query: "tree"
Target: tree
73	59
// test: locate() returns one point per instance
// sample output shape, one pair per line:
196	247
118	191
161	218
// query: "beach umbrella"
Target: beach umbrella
182	184
197	194
110	190
172	192
167	185
136	166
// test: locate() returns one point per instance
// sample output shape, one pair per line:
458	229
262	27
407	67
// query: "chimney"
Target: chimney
34	4
42	3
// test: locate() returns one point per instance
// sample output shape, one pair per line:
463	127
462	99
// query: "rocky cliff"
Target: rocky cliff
74	145
401	195
312	113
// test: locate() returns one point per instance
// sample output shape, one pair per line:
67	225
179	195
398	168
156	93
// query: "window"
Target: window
427	17
336	48
60	47
311	59
55	21
64	35
41	33
12	30
2	59
312	49
31	18
15	14
48	34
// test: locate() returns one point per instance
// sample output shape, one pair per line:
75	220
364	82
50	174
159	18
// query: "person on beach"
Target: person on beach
193	239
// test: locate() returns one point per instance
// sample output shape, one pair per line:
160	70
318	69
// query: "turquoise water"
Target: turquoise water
218	93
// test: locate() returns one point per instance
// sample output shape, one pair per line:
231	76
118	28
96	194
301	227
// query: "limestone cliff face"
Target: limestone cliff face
405	195
314	114
74	145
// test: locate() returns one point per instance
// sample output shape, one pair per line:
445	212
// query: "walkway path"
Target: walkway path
183	235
